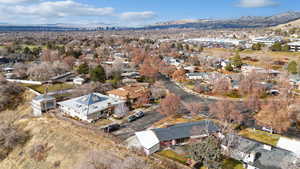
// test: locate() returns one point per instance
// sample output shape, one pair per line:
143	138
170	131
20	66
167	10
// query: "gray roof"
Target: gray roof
265	159
186	130
43	97
91	99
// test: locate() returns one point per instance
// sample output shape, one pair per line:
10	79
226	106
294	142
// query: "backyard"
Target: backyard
50	88
260	136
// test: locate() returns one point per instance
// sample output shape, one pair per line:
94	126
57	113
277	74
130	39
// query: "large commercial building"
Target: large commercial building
294	46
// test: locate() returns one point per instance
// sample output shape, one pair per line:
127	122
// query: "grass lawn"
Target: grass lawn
51	88
173	156
260	136
232	164
102	122
173	120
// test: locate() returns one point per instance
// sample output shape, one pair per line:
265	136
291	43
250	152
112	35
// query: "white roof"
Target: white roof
294	43
147	138
292	145
91	103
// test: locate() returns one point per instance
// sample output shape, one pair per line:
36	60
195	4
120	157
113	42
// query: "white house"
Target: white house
42	103
90	107
78	80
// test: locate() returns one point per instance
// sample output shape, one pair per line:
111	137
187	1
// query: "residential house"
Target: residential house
205	76
131	75
130	92
246	69
256	155
78	80
294	46
91	107
172	61
153	140
42	103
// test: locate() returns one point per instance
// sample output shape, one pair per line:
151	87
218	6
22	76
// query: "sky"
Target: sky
134	12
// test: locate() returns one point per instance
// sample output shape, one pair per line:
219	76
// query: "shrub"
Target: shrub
10	137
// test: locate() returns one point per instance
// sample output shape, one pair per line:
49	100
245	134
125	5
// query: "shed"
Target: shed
42	103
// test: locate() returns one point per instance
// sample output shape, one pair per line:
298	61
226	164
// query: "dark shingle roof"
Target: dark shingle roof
265	159
186	130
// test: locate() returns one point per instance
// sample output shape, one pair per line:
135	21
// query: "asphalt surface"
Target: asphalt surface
185	96
129	128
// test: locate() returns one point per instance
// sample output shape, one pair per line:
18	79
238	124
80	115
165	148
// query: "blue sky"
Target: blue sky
134	12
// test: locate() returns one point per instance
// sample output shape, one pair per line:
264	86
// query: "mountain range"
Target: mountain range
242	22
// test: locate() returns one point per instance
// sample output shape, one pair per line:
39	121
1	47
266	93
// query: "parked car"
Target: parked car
135	116
139	114
111	128
118	116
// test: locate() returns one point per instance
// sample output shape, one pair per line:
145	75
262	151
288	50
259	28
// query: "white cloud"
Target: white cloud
137	16
17	1
67	11
256	3
60	9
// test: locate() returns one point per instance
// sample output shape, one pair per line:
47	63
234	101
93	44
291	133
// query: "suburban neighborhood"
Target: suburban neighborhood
203	93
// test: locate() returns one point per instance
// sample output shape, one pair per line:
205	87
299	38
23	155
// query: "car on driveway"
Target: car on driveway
136	116
111	128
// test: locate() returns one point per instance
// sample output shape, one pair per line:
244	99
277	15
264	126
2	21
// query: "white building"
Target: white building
294	46
269	41
42	103
235	42
172	61
78	80
90	107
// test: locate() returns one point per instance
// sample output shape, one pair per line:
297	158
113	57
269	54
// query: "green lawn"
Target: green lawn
260	136
232	164
51	88
173	156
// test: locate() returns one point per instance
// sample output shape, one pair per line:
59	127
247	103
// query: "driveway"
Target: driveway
128	129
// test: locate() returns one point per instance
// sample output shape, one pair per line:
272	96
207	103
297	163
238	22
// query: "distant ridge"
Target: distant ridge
243	22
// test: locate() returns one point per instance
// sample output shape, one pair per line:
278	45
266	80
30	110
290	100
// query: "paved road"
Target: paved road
128	129
185	96
151	117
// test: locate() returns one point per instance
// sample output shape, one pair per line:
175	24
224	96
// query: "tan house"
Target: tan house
130	92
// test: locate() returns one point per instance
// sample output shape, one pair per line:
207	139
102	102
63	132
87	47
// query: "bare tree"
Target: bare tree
221	86
170	105
275	115
226	111
195	107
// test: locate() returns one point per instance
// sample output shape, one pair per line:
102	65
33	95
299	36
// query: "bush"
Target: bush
9	94
10	137
39	152
83	68
292	67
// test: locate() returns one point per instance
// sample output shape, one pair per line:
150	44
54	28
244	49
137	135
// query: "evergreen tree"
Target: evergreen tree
292	67
83	68
236	61
276	47
98	74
